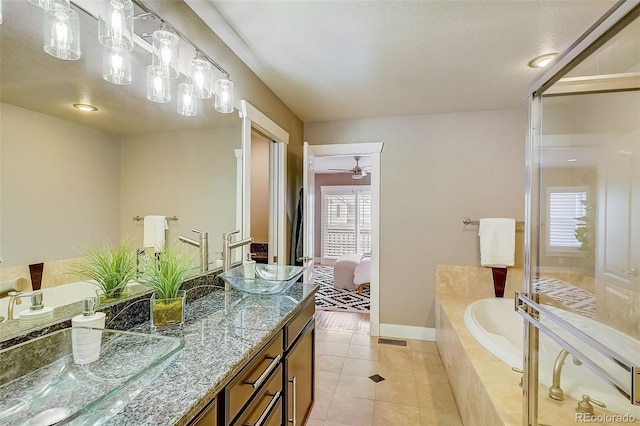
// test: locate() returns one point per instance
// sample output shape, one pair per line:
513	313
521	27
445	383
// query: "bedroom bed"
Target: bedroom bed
352	271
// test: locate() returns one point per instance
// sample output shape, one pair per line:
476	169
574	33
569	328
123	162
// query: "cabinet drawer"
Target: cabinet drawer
266	407
249	380
299	321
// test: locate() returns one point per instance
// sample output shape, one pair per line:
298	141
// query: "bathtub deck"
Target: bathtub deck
485	388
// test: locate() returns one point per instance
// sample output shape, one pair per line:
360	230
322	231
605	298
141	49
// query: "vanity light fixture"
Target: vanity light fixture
51	4
85	107
62	32
116	66
165	53
158	87
186	101
0	11
542	60
200	76
224	94
115	25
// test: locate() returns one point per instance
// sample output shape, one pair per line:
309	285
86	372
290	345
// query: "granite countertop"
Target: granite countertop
222	331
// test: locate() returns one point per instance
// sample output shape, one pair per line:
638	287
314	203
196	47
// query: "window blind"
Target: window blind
346	221
565	207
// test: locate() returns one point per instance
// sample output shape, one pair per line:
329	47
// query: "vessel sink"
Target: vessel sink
41	384
266	279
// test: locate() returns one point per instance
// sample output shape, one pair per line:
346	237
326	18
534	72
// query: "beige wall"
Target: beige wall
334	179
435	170
260	187
191	174
247	86
60	187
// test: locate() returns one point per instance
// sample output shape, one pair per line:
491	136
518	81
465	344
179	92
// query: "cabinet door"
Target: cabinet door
300	375
208	416
618	242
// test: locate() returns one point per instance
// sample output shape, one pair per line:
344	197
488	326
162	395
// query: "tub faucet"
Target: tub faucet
555	391
203	245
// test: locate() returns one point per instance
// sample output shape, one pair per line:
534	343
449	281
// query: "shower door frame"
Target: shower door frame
527	303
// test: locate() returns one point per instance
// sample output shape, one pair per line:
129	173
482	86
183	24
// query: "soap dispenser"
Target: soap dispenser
249	266
37	312
86	334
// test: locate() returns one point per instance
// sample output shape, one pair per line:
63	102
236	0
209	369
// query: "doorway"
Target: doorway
255	122
312	153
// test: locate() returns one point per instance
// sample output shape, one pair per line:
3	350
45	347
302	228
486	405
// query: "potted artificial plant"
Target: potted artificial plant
164	275
109	269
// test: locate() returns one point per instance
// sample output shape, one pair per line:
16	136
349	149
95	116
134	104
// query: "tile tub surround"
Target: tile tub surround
121	315
222	331
485	389
474	282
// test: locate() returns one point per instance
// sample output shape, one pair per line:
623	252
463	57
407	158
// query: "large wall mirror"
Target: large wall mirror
72	180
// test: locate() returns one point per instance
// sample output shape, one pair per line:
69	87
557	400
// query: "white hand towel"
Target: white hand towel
154	231
497	242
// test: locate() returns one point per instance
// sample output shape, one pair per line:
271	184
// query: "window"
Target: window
566	206
346	221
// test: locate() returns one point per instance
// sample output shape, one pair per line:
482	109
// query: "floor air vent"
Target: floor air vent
395	342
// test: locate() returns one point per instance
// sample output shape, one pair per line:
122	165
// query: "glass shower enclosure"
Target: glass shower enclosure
582	300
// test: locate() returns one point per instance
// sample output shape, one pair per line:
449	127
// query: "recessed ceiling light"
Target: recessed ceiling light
85	107
542	61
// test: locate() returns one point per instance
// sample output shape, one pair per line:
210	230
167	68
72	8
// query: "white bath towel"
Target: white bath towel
154	231
497	242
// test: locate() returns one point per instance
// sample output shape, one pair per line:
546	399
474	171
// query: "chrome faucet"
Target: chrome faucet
555	391
203	244
227	246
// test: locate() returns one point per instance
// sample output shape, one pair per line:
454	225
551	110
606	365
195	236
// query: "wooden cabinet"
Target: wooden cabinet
276	386
208	416
300	374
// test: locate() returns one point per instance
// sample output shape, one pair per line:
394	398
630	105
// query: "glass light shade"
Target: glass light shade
200	76
51	4
186	101
165	53
115	25
158	87
62	33
224	95
0	11
116	66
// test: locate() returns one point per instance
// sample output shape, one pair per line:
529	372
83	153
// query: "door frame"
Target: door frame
374	149
254	118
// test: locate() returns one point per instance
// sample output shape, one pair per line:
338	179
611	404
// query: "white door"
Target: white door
308	206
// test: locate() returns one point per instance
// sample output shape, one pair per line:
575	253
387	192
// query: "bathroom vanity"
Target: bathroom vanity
247	359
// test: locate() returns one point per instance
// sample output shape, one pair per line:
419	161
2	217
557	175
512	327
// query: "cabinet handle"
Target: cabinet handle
273	364
631	271
293	400
267	411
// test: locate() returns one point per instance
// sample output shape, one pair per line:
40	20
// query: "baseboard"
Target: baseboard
408	332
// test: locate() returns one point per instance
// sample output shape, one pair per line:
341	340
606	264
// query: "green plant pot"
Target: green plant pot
166	312
115	296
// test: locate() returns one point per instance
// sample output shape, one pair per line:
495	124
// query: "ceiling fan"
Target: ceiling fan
357	172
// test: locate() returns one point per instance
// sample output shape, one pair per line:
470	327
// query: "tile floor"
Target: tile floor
415	390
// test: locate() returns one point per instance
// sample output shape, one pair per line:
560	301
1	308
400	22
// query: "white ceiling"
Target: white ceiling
337	60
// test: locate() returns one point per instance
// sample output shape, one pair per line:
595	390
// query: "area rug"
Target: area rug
329	298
